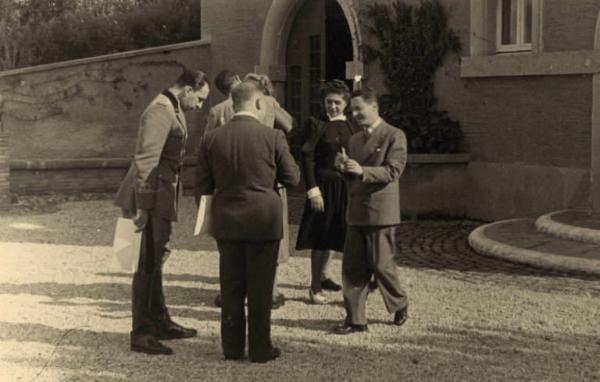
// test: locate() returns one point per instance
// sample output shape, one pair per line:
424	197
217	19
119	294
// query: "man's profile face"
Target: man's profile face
194	99
365	113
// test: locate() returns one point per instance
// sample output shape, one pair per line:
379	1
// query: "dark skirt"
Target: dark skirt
325	230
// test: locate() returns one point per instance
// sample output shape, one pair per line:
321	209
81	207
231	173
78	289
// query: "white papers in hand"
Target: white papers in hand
203	220
126	245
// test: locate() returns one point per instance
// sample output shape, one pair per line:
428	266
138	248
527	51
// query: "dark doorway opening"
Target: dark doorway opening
338	42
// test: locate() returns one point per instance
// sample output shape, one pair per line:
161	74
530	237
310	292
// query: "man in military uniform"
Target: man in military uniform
150	194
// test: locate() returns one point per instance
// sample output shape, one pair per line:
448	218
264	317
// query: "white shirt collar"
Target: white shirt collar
246	113
339	117
374	125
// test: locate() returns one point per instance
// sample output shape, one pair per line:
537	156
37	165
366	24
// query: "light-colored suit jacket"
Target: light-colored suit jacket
153	182
219	115
374	197
274	116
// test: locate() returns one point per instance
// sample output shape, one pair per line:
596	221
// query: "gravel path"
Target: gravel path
65	310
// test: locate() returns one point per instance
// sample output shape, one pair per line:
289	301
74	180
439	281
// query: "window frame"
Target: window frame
519	46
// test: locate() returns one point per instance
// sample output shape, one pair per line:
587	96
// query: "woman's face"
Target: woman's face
334	104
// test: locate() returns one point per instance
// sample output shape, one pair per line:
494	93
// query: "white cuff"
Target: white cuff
313	192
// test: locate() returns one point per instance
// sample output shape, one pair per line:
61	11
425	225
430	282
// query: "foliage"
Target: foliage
36	32
412	43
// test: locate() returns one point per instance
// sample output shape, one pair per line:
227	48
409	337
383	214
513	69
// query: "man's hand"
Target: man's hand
340	160
317	203
140	220
353	167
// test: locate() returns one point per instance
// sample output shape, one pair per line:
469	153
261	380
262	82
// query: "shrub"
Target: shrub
412	45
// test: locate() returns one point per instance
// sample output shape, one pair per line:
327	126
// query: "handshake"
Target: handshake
344	164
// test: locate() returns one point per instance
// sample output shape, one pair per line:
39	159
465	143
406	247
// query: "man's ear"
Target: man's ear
259	103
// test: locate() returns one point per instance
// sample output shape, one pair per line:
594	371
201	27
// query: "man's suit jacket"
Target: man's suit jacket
374	197
240	164
219	115
152	182
273	116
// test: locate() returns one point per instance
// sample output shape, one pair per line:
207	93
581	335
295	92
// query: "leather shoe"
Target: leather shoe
329	284
347	328
148	344
170	330
278	301
400	317
274	353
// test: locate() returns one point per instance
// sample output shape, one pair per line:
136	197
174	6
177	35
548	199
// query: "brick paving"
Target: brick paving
440	246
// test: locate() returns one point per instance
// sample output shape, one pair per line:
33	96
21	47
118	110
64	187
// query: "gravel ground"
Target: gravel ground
65	310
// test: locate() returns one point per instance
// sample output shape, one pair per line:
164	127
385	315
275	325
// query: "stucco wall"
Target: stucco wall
235	31
90	110
569	25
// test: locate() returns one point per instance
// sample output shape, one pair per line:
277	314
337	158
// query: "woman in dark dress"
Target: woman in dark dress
323	223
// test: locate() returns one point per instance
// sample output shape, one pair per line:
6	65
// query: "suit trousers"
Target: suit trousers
368	251
246	269
148	299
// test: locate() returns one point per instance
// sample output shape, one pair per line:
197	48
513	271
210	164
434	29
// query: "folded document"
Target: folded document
126	244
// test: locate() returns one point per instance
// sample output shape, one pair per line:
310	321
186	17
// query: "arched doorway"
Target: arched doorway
291	26
319	45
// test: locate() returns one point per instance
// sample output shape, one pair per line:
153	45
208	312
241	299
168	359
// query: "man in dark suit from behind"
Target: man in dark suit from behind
240	164
150	194
373	165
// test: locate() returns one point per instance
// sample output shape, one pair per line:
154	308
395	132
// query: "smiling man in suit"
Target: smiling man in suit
373	165
240	164
150	194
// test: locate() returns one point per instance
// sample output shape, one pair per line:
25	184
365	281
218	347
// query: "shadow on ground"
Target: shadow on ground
493	354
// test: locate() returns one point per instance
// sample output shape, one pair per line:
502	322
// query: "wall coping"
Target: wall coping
83	163
438	158
106	57
531	64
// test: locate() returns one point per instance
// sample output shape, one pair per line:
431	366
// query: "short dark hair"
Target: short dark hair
366	93
244	93
196	79
224	81
336	87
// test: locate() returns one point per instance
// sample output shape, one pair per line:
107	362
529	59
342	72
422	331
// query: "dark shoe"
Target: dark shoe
148	344
170	330
400	317
235	357
350	328
278	301
218	300
274	353
372	286
329	284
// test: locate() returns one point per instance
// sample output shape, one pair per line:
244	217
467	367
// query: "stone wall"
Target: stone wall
88	109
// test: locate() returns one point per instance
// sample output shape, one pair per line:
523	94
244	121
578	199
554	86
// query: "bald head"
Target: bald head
245	97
